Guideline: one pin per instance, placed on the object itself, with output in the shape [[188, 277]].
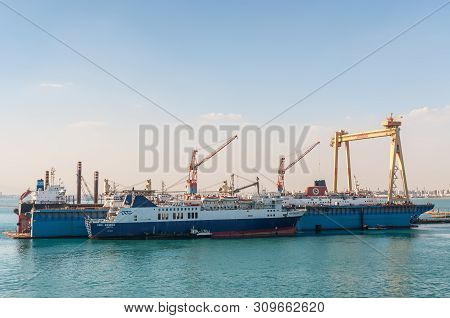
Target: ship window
[[159, 216], [196, 215], [135, 218], [174, 216], [189, 215], [182, 214]]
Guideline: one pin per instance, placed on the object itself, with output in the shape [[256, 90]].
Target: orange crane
[[191, 186], [282, 170]]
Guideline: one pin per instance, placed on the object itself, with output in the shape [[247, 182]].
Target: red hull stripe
[[285, 231]]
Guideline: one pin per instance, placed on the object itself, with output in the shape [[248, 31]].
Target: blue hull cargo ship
[[62, 222], [361, 217], [228, 217], [344, 211], [48, 214]]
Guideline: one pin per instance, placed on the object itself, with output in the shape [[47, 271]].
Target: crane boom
[[191, 186], [212, 154], [301, 156], [282, 170], [247, 186]]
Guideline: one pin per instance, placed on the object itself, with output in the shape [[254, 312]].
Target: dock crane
[[396, 163], [191, 182], [234, 190], [282, 170]]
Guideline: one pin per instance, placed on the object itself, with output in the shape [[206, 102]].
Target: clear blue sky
[[251, 58]]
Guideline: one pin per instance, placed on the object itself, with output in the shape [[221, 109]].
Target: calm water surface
[[384, 263]]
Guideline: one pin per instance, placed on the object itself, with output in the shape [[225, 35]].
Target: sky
[[216, 63]]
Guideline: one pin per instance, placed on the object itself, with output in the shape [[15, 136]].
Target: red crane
[[282, 170], [191, 186]]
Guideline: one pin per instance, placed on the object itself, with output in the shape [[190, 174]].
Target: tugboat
[[201, 233], [216, 218]]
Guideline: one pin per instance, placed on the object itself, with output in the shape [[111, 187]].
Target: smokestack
[[47, 179], [95, 187], [79, 182]]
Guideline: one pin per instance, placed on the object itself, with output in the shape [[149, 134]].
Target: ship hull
[[53, 223], [235, 228], [360, 217]]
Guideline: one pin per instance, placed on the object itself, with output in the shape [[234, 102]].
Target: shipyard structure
[[130, 213]]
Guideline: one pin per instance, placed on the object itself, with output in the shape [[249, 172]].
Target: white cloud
[[222, 117], [87, 124], [428, 114], [51, 85]]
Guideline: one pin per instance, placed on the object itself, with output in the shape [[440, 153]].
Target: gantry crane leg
[[397, 164], [401, 166], [349, 168], [336, 161], [392, 168]]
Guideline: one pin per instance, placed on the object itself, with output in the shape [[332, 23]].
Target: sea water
[[375, 263]]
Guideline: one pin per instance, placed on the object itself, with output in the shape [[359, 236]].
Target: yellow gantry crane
[[396, 163]]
